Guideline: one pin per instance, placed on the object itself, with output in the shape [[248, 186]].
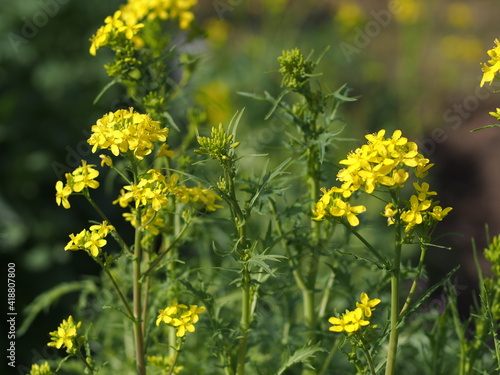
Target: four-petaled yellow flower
[[81, 178], [367, 305], [65, 335], [92, 240], [352, 321], [181, 317], [341, 208]]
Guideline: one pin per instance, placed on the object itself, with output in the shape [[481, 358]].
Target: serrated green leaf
[[301, 355], [261, 259]]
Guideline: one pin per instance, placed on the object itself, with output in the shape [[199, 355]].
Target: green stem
[[367, 244], [118, 291], [394, 314], [137, 298], [84, 360], [123, 244], [413, 288], [369, 359], [245, 320], [329, 358], [174, 361]]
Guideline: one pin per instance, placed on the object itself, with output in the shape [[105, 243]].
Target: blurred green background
[[413, 64]]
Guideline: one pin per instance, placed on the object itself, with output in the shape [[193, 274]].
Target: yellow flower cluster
[[153, 191], [82, 177], [43, 369], [91, 240], [352, 321], [489, 72], [138, 10], [181, 317], [380, 162], [125, 23], [164, 364], [126, 130], [113, 29], [65, 335], [149, 191]]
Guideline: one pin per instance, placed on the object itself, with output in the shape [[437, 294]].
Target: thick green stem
[[394, 314], [137, 299], [245, 321]]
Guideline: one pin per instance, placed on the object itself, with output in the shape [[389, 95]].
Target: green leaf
[[261, 259], [266, 178], [233, 124], [426, 295], [301, 355], [105, 88], [275, 105], [48, 298], [170, 121], [252, 96], [340, 96]]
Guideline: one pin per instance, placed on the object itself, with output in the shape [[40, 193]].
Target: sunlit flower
[[367, 305], [65, 335], [490, 71], [62, 194]]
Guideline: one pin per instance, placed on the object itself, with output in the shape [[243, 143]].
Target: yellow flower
[[92, 240], [496, 114], [180, 317], [367, 305], [439, 213], [126, 130], [489, 72], [43, 369], [351, 321], [65, 335], [414, 215], [389, 213], [84, 176], [62, 194], [341, 208]]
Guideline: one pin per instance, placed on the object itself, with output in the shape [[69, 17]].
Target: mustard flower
[[423, 191], [126, 130], [496, 114], [62, 194], [351, 321], [341, 208], [164, 363], [114, 28], [65, 335], [84, 176], [181, 317], [43, 369], [367, 305], [389, 213], [439, 213], [489, 72], [414, 215], [183, 325], [92, 240]]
